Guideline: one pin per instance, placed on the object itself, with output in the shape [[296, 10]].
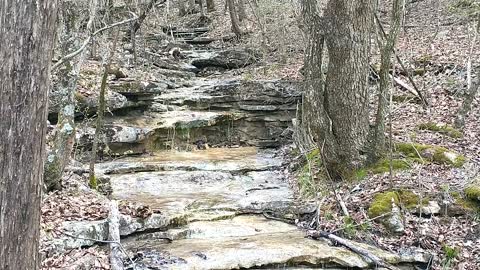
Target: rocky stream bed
[[200, 148]]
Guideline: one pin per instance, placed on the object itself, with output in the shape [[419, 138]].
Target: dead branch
[[87, 41], [420, 95], [372, 258], [116, 262]]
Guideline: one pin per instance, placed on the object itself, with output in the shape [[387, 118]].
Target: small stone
[[431, 209], [451, 156], [394, 221]]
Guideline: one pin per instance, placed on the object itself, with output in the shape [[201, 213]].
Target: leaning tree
[[27, 30]]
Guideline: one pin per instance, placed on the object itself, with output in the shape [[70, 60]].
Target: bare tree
[[242, 14], [27, 37], [466, 106], [182, 9], [234, 18], [386, 49], [338, 103], [101, 112], [66, 86], [191, 6], [210, 5]]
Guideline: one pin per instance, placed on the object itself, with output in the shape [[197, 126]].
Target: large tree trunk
[[27, 35], [339, 104]]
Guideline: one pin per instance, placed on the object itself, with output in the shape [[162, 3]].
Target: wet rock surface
[[202, 154]]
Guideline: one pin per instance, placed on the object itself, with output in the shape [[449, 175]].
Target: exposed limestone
[[229, 59], [250, 242]]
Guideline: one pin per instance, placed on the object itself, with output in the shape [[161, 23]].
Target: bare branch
[[85, 43]]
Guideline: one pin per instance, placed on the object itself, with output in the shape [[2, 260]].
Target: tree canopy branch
[[87, 40]]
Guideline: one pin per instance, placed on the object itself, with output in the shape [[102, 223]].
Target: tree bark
[[68, 73], [242, 14], [141, 18], [101, 113], [234, 18], [466, 106], [27, 37], [182, 9], [191, 6], [210, 5], [386, 50], [339, 104]]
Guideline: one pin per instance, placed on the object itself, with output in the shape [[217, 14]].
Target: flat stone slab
[[245, 242], [235, 160], [190, 192]]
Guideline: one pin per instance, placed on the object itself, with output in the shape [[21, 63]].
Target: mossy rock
[[442, 129], [383, 165], [382, 202], [472, 192], [431, 153], [419, 72]]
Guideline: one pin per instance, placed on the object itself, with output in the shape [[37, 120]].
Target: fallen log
[[116, 258]]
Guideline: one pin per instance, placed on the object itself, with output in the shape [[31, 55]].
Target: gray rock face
[[79, 234], [130, 87], [229, 59], [114, 101]]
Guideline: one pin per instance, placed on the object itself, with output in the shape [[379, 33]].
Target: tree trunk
[[182, 9], [466, 106], [202, 11], [101, 113], [141, 18], [234, 18], [386, 50], [339, 105], [191, 6], [242, 14], [210, 5], [68, 73], [27, 37]]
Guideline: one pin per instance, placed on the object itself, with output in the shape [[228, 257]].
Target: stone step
[[248, 242], [234, 160]]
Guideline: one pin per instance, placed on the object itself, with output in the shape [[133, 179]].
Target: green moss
[[472, 192], [314, 154], [430, 153], [442, 129], [419, 72], [382, 203], [383, 165], [92, 182], [306, 183], [361, 174], [410, 200]]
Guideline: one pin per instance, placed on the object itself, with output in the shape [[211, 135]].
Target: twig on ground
[[371, 258], [103, 242]]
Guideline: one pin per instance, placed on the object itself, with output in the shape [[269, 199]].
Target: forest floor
[[436, 42]]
